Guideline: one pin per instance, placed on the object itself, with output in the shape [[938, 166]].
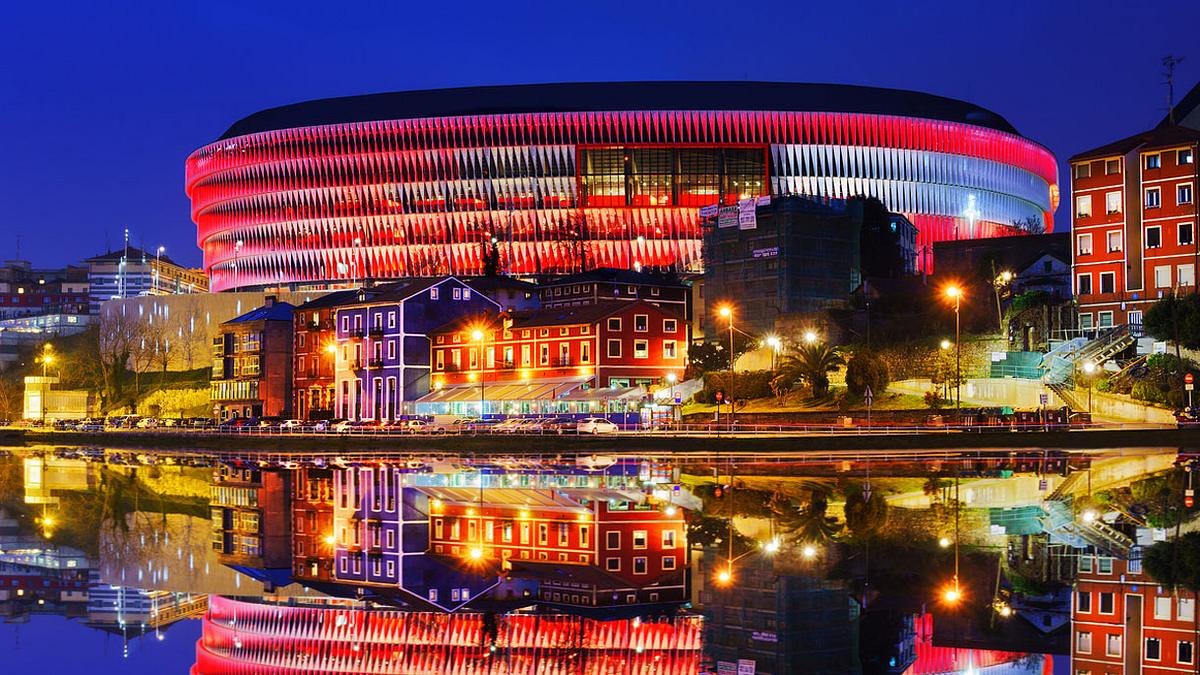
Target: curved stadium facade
[[568, 176]]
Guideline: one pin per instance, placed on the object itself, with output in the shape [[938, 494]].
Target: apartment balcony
[[354, 332], [375, 363], [377, 331]]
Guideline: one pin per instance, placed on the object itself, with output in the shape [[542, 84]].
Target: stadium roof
[[612, 96]]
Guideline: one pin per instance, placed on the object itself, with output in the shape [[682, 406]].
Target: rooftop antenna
[[1169, 62]]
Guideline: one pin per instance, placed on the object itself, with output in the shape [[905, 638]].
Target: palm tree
[[808, 523], [812, 363]]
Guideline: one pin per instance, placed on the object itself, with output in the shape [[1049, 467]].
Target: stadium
[[555, 178]]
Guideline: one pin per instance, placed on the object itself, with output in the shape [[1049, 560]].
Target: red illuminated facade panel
[[244, 638], [1134, 225], [619, 344], [327, 200], [1123, 622]]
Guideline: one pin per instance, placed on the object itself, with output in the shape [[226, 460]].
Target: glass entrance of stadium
[[663, 176]]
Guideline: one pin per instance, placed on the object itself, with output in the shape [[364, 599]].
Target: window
[[1153, 198], [1154, 237], [1185, 275], [1085, 323], [612, 564], [1183, 157], [1104, 565], [1086, 561], [1083, 206], [433, 293], [1108, 284], [1183, 194], [1106, 603], [612, 541], [641, 323], [585, 352], [1186, 610], [1183, 652], [669, 351], [1083, 642], [1162, 276], [1084, 244], [585, 536], [669, 325], [1112, 166], [1112, 202], [564, 331], [1114, 241], [433, 591], [1083, 285], [668, 539], [668, 562], [1106, 319], [1083, 602], [457, 293], [1153, 649], [641, 349], [1162, 607], [391, 349], [441, 359], [1153, 161], [526, 354], [544, 354], [466, 295], [639, 539], [614, 349], [1083, 170], [1112, 645], [614, 324], [639, 565], [1186, 234], [543, 534]]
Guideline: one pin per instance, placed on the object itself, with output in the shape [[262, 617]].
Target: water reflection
[[611, 565]]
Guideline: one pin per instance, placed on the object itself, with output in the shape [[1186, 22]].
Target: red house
[[315, 352], [606, 344], [1134, 226], [1123, 622]]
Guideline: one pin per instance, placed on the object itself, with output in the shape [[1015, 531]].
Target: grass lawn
[[801, 402]]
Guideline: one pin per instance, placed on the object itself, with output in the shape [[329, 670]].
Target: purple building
[[383, 347]]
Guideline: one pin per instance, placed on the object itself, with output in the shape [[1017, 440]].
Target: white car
[[423, 427], [291, 425], [596, 425], [147, 423]]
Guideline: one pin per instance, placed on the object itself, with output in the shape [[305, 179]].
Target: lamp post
[[774, 343], [1088, 369], [999, 280], [45, 359], [480, 336], [727, 312], [955, 293], [158, 266]]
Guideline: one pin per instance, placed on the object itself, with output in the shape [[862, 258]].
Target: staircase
[[1060, 364], [1066, 394], [1063, 528]]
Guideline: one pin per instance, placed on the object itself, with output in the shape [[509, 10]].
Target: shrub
[[864, 369], [746, 385], [1148, 392], [933, 401]]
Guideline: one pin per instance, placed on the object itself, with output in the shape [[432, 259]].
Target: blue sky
[[101, 102]]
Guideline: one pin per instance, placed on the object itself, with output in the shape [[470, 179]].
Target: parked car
[[291, 425], [147, 423], [509, 425], [596, 425], [562, 425], [422, 427]]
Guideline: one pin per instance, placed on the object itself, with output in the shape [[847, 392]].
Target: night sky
[[101, 102]]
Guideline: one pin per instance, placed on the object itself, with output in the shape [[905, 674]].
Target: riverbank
[[622, 443]]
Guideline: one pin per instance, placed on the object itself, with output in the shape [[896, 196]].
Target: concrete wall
[[183, 326], [1025, 394]]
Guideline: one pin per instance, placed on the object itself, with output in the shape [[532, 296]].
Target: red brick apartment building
[[312, 524], [614, 343], [1122, 622], [1134, 225], [583, 551], [314, 355]]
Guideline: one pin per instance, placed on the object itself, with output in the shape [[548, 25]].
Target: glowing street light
[[1089, 516], [725, 576], [476, 553], [479, 336], [726, 311], [809, 551], [329, 539], [946, 344], [955, 293], [45, 359], [945, 542], [670, 511], [771, 546], [810, 337], [952, 595]]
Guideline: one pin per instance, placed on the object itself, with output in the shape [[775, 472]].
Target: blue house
[[382, 362]]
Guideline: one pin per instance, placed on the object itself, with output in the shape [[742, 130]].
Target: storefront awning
[[507, 390], [606, 394]]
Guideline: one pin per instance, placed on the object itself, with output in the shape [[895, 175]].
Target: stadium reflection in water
[[316, 565]]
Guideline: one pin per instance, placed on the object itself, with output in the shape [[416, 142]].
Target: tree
[[1175, 563], [1175, 318], [865, 517], [866, 369], [809, 523], [812, 364], [491, 258], [879, 246], [1030, 225]]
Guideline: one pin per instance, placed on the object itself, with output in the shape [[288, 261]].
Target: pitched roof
[[130, 253], [1186, 105], [1161, 136], [579, 314], [616, 275], [276, 311], [333, 299], [485, 284]]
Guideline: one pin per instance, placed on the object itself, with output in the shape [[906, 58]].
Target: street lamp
[[158, 265], [775, 344], [810, 337], [479, 336], [727, 312], [955, 293], [1088, 369], [45, 359], [671, 379]]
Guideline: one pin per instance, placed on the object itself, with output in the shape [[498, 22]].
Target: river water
[[131, 561]]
